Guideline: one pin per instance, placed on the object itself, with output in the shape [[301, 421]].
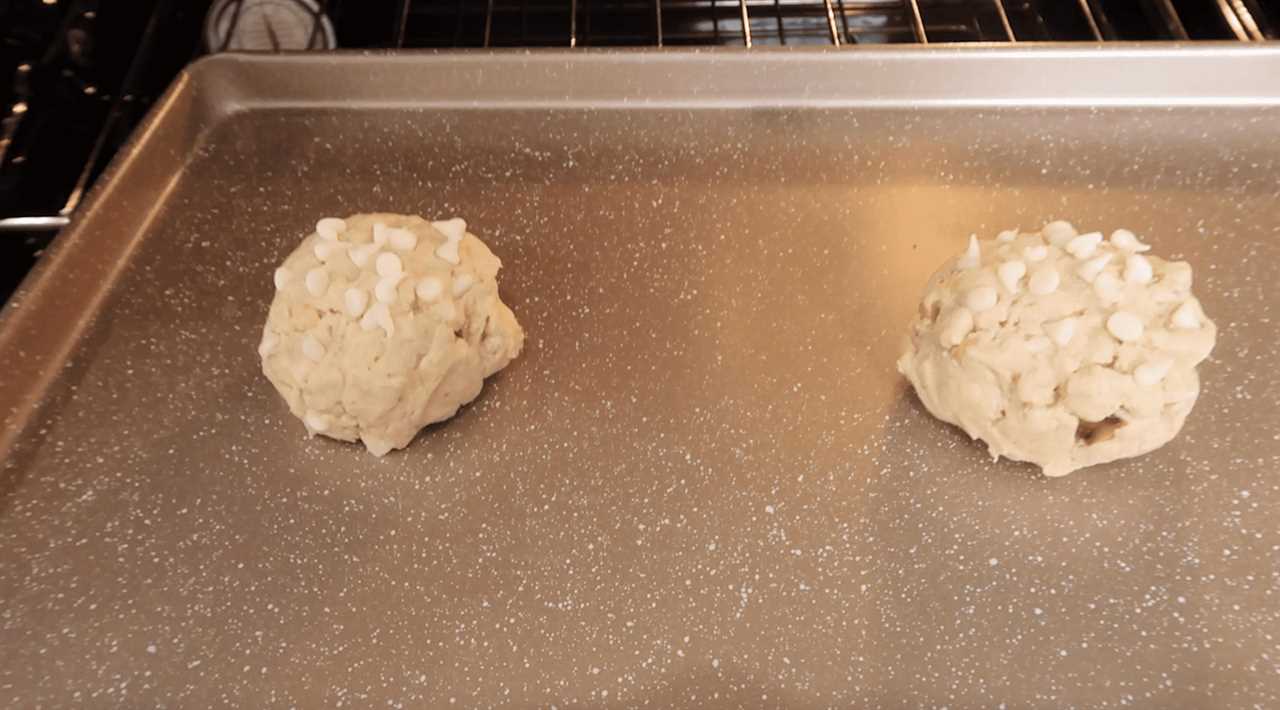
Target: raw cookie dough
[[1060, 348], [383, 324]]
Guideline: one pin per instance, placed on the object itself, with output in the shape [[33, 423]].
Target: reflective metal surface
[[26, 224], [703, 484]]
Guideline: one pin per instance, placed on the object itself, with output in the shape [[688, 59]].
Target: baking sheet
[[703, 483]]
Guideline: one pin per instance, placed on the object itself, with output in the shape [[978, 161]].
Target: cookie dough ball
[[1060, 348], [383, 324]]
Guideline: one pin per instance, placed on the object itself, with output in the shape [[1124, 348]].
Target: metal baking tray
[[703, 484]]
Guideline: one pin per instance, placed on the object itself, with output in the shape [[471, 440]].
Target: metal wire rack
[[674, 23], [579, 23]]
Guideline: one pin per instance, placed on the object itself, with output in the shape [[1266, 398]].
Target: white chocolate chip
[[1108, 287], [330, 227], [1090, 269], [959, 324], [1010, 273], [1062, 331], [1137, 269], [462, 283], [1059, 232], [388, 265], [1035, 252], [1044, 281], [972, 255], [429, 289], [1083, 246], [324, 250], [369, 320], [453, 229], [281, 277], [981, 299], [380, 233], [378, 316], [361, 255], [403, 239], [385, 321], [356, 301], [1152, 372], [316, 421], [1125, 240], [312, 348], [1125, 326], [317, 281], [1186, 317], [385, 290], [1007, 235], [269, 342], [449, 252]]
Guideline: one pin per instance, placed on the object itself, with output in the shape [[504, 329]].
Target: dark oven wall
[[76, 76]]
